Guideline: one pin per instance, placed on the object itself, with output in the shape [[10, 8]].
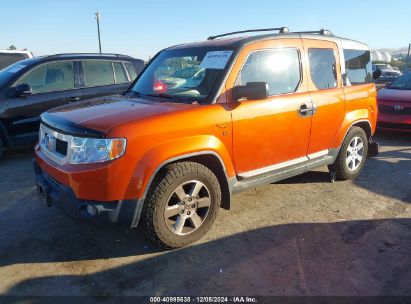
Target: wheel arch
[[363, 123], [211, 160]]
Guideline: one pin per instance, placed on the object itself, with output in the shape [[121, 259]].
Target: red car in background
[[394, 105]]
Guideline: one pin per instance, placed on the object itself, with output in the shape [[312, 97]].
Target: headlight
[[94, 150]]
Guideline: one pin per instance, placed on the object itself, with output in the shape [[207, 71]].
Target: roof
[[237, 42]]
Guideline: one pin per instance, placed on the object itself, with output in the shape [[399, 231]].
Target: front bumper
[[394, 122], [54, 193]]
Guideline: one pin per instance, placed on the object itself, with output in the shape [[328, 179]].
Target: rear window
[[358, 66], [323, 68], [98, 73]]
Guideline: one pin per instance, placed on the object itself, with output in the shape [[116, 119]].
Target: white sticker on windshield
[[216, 60], [16, 68]]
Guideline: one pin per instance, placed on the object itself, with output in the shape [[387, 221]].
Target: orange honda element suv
[[206, 120]]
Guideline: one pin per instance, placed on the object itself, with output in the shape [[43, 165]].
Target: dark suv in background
[[33, 86]]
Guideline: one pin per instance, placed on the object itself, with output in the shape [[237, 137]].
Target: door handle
[[73, 99], [304, 110]]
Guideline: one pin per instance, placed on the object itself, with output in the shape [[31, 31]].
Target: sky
[[142, 28]]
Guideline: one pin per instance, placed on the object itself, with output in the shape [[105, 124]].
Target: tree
[[12, 48]]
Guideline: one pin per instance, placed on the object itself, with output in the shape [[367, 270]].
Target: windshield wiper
[[161, 95], [133, 93]]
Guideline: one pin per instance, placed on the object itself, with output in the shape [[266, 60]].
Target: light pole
[[408, 55], [98, 30]]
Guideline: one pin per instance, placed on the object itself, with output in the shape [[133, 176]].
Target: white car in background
[[190, 79], [8, 57]]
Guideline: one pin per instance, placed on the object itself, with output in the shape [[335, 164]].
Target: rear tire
[[352, 156], [181, 205]]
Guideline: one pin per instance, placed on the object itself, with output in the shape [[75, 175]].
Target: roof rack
[[89, 54], [281, 30], [324, 32]]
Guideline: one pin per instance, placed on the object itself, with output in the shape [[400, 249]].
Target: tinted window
[[98, 72], [358, 66], [280, 68], [131, 71], [55, 76], [323, 68], [121, 76]]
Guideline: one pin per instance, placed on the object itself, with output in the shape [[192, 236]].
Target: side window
[[50, 77], [323, 68], [280, 68], [120, 73], [358, 66], [98, 73], [131, 71]]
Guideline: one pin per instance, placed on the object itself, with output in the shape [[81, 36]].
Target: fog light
[[91, 210]]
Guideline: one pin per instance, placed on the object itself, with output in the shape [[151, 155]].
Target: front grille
[[61, 147], [391, 110], [394, 126]]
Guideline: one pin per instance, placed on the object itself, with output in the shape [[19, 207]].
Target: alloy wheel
[[187, 207]]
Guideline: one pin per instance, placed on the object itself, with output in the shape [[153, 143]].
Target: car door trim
[[284, 170]]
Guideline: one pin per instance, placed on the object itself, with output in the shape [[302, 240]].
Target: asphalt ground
[[301, 236]]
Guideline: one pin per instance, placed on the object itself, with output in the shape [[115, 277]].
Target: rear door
[[53, 84], [327, 95], [103, 78]]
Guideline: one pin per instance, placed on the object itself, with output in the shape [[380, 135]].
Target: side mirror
[[23, 89], [376, 74], [251, 91]]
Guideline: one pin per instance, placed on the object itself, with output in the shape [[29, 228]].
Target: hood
[[96, 117], [394, 95]]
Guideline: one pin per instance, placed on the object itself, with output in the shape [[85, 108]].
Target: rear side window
[[358, 66], [120, 73], [323, 68], [131, 71], [280, 68], [50, 77], [98, 73]]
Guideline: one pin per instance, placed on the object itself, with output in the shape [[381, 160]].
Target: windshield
[[402, 83], [8, 72], [188, 75]]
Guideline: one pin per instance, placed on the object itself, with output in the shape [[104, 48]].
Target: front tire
[[353, 154], [181, 205]]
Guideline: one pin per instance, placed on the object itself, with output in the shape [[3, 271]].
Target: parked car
[[8, 57], [394, 103], [269, 107], [388, 73], [33, 86], [181, 79]]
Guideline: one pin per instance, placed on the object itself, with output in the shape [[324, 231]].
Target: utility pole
[[408, 56], [98, 29]]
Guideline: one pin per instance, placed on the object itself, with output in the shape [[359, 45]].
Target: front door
[[272, 133], [53, 85]]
